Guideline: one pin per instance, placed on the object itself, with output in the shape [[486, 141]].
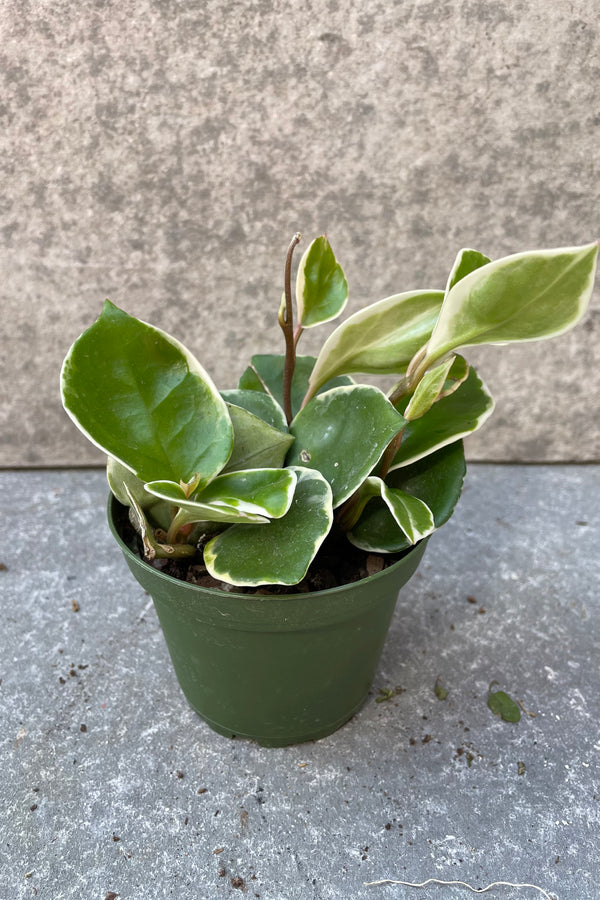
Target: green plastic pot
[[277, 669]]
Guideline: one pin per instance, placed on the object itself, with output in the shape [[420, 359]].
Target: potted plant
[[274, 523]]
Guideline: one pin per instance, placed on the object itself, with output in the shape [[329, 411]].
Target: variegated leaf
[[321, 286], [140, 395], [525, 297], [450, 419], [280, 552], [343, 434], [436, 480], [380, 339]]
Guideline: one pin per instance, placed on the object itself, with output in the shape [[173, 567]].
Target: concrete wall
[[163, 153]]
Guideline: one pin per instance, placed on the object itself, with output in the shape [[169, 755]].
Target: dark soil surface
[[338, 562]]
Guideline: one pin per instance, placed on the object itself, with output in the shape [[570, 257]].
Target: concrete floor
[[110, 784]]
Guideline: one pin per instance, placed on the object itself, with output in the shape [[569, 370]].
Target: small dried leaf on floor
[[440, 691]]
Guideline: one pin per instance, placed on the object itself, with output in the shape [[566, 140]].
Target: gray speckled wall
[[162, 154]]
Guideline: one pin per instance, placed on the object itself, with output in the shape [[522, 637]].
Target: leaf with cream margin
[[256, 444], [280, 552], [380, 339], [450, 419], [459, 372], [321, 286], [436, 480], [153, 549], [343, 434], [141, 397], [428, 390], [466, 262], [525, 297], [125, 485], [254, 495], [265, 373], [412, 516]]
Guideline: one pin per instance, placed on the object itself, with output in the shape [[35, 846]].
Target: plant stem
[[287, 324], [348, 514], [389, 454]]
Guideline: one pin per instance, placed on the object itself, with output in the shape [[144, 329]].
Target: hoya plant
[[254, 478]]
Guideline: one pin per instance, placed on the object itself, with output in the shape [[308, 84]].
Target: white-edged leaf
[[524, 297], [125, 485], [436, 479], [380, 339], [450, 419], [343, 433], [195, 511], [466, 262], [280, 552], [321, 286], [254, 495], [428, 390], [413, 516], [141, 397], [459, 372], [153, 549]]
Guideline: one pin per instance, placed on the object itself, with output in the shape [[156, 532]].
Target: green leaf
[[267, 492], [125, 485], [458, 373], [280, 552], [380, 339], [321, 286], [255, 495], [448, 420], [191, 511], [153, 549], [411, 515], [437, 480], [256, 444], [343, 433], [466, 262], [504, 706], [140, 396], [266, 374], [440, 691], [428, 390], [525, 297], [259, 404]]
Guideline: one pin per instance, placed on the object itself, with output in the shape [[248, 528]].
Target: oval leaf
[[504, 706], [143, 399], [321, 286], [252, 496], [280, 552], [381, 339], [343, 434], [267, 492], [255, 443], [525, 297], [448, 420]]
